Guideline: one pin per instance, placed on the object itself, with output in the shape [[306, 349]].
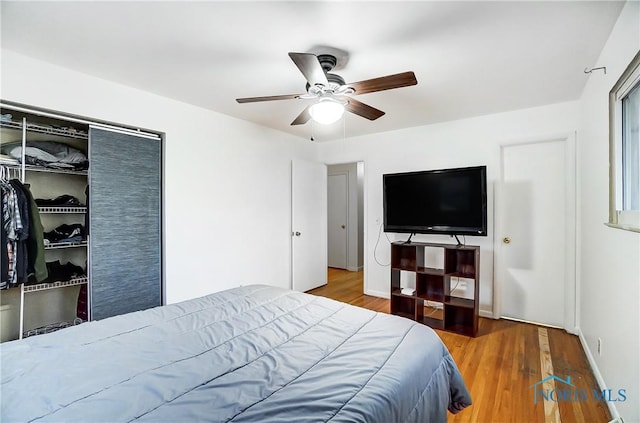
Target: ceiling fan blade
[[398, 80], [302, 117], [268, 98], [310, 67], [361, 109]]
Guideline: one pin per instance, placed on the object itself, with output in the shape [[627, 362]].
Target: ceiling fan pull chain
[[344, 127]]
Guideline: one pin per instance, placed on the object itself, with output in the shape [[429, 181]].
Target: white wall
[[609, 300], [227, 182], [467, 142]]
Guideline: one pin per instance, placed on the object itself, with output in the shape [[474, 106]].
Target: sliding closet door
[[125, 244]]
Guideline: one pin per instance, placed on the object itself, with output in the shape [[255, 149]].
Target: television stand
[[437, 285]]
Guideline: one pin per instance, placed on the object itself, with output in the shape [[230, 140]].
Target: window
[[624, 128], [630, 150]]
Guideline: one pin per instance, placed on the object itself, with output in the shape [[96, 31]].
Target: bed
[[250, 354]]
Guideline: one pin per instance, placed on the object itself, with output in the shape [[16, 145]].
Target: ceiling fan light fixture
[[327, 111]]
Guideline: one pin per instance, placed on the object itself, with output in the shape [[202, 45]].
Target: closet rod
[[98, 125]]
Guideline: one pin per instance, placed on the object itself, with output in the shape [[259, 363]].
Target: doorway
[[345, 216], [535, 233]]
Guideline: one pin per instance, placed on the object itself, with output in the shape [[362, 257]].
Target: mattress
[[250, 354]]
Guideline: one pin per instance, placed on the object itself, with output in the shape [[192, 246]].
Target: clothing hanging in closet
[[22, 236]]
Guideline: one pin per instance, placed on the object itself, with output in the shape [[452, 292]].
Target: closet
[[97, 190]]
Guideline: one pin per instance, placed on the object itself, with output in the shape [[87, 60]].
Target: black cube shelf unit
[[459, 315]]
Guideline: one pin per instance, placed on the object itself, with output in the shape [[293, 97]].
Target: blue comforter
[[250, 354]]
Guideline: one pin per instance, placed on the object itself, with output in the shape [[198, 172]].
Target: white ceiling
[[470, 58]]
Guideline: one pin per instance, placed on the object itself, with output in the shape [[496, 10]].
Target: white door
[[534, 233], [308, 225], [337, 198]]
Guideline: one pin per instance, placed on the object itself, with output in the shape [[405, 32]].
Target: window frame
[[618, 217]]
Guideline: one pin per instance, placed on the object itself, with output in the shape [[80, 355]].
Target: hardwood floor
[[502, 364]]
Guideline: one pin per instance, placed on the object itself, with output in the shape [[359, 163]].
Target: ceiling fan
[[333, 95]]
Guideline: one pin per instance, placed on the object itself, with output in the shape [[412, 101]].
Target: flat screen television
[[445, 201]]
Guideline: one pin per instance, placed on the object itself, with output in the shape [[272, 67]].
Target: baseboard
[[378, 294], [355, 269], [596, 372], [486, 313]]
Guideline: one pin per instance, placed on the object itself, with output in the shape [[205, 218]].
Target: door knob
[[506, 240], [297, 233]]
